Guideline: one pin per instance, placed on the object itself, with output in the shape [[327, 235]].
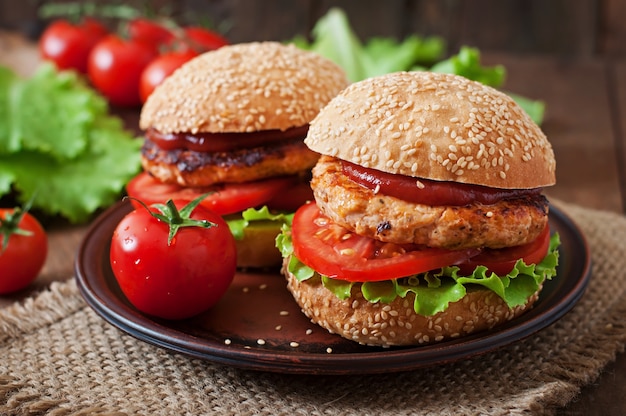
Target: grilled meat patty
[[195, 169], [506, 223]]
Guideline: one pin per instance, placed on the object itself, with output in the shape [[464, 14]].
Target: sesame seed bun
[[396, 323], [435, 126], [242, 88]]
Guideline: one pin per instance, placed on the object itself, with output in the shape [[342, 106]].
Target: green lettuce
[[435, 290], [59, 146], [335, 40], [238, 224]]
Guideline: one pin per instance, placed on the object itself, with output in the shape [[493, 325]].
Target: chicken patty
[[507, 223], [195, 169]]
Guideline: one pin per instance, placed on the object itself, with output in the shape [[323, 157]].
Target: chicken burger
[[429, 221]]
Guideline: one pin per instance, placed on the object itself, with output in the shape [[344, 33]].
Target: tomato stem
[[9, 225], [175, 218]]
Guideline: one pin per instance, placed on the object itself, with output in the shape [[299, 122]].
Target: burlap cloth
[[59, 357]]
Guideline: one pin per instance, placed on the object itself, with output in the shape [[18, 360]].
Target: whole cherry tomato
[[69, 45], [172, 260], [23, 249], [159, 69], [150, 31], [203, 40], [115, 66]]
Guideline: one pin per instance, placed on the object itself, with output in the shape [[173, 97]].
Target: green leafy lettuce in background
[[333, 38], [59, 145]]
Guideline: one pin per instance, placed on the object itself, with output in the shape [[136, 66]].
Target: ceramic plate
[[258, 325]]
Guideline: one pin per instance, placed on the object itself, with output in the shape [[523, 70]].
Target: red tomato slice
[[336, 252], [223, 199], [292, 198], [502, 261]]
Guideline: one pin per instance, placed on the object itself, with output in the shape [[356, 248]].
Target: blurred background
[[580, 28]]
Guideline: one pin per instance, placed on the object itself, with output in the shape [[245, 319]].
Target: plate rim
[[391, 359]]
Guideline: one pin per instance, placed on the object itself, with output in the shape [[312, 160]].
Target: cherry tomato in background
[[69, 45], [150, 31], [176, 279], [115, 66], [23, 249], [160, 68], [203, 40]]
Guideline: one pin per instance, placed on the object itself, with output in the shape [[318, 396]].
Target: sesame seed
[[278, 327], [260, 341], [329, 350], [294, 344], [284, 313], [227, 341], [309, 331]]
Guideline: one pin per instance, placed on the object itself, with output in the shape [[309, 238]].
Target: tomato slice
[[292, 198], [502, 261], [223, 199], [335, 252]]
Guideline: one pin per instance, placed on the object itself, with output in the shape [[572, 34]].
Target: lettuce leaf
[[334, 39], [60, 147], [467, 64], [435, 290], [238, 224]]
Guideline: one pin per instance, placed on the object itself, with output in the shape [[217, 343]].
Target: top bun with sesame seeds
[[435, 126], [242, 88], [429, 221]]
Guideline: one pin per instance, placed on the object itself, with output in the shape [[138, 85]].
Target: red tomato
[[68, 45], [291, 198], [160, 68], [202, 40], [150, 31], [502, 261], [23, 249], [225, 199], [175, 280], [336, 252], [115, 67]]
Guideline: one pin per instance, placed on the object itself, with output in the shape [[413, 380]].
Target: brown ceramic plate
[[257, 325]]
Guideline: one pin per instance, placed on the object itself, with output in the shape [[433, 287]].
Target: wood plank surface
[[560, 27], [618, 99]]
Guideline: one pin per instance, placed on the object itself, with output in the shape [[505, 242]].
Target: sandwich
[[230, 123], [429, 221]]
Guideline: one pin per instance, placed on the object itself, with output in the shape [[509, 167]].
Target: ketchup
[[222, 142], [429, 192]]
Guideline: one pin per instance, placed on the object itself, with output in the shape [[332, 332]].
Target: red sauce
[[429, 192], [222, 142]]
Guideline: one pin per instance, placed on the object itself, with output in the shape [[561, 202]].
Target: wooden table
[[585, 121]]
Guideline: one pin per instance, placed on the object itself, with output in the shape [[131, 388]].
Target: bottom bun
[[396, 323], [257, 249]]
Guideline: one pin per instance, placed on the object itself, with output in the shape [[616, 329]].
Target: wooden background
[[569, 28]]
